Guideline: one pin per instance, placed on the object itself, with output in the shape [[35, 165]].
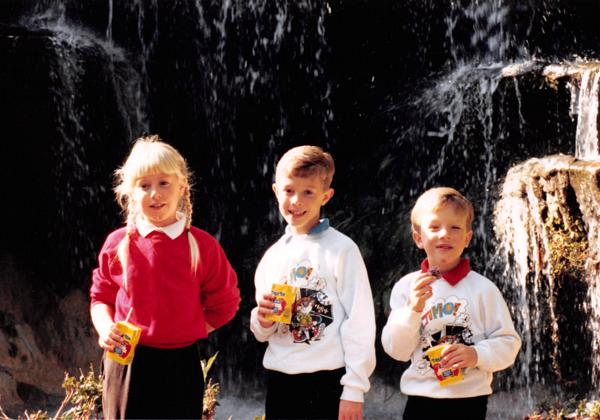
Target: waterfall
[[546, 224], [584, 78], [587, 111]]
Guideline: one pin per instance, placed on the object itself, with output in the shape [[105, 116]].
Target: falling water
[[547, 226], [584, 78], [72, 48]]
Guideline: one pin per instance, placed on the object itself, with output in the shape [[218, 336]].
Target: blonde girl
[[174, 279]]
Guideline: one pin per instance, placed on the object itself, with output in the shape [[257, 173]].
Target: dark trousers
[[304, 396], [159, 384], [423, 408]]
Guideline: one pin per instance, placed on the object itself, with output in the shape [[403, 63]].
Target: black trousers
[[159, 384], [313, 395], [423, 408]]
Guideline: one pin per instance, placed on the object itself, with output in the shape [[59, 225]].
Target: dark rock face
[[397, 91]]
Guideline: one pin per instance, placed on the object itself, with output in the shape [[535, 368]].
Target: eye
[[144, 186], [456, 228], [288, 191], [164, 183], [434, 227], [308, 193]]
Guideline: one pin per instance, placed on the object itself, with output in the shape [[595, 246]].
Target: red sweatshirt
[[170, 303]]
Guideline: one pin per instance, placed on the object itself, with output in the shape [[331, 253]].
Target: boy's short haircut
[[306, 161], [435, 199]]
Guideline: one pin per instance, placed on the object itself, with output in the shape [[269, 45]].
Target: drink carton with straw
[[131, 334]]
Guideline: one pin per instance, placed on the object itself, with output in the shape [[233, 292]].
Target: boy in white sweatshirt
[[446, 303], [318, 365]]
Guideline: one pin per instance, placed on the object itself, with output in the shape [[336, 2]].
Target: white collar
[[172, 231]]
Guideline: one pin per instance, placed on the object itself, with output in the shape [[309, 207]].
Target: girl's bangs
[[151, 161]]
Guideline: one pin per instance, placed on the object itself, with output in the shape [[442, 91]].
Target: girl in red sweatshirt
[[175, 279]]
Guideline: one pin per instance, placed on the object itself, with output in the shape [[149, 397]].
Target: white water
[[584, 80]]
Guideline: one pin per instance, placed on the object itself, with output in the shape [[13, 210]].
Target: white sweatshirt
[[472, 312], [334, 321]]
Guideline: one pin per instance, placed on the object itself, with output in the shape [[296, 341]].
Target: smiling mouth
[[156, 206], [296, 213]]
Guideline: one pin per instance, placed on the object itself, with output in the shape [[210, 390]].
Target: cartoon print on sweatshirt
[[311, 313], [444, 320]]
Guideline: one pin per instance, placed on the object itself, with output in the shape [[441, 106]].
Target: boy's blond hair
[[437, 198], [306, 161]]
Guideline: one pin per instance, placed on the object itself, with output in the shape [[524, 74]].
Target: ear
[[274, 187], [417, 238], [468, 238], [327, 196]]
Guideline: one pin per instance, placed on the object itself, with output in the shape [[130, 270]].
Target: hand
[[265, 307], [350, 410], [459, 356], [420, 291], [110, 338]]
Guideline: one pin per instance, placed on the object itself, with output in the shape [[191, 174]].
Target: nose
[[154, 193], [294, 199], [443, 232]]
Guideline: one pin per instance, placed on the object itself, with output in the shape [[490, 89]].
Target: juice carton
[[131, 334], [446, 376], [285, 296]]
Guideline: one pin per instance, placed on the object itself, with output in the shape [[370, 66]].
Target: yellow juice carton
[[446, 376], [131, 334], [285, 296]]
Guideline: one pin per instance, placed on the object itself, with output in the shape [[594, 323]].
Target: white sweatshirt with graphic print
[[333, 325], [472, 312]]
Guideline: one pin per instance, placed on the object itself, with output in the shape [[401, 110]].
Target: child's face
[[300, 200], [158, 196], [443, 234]]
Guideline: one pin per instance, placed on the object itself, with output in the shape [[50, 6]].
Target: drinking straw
[[128, 314]]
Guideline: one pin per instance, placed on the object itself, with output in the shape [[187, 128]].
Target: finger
[[266, 304], [264, 312], [268, 296]]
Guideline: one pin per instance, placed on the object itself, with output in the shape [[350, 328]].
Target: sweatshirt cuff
[[261, 334], [483, 358], [352, 394]]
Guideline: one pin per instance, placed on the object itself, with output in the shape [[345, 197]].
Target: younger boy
[[446, 302], [318, 366]]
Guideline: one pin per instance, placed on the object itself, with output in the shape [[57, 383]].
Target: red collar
[[456, 274]]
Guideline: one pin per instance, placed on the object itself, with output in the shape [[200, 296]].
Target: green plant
[[211, 390], [84, 395]]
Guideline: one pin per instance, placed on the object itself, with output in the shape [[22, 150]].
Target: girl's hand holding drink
[[130, 334]]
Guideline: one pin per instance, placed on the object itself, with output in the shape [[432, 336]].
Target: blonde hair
[[437, 198], [151, 155], [306, 161]]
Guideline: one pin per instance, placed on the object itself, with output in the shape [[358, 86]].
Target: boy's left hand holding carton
[[318, 359]]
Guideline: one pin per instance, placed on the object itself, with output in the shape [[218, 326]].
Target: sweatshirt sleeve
[[104, 288], [499, 348], [220, 295], [261, 286], [400, 335], [358, 329]]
